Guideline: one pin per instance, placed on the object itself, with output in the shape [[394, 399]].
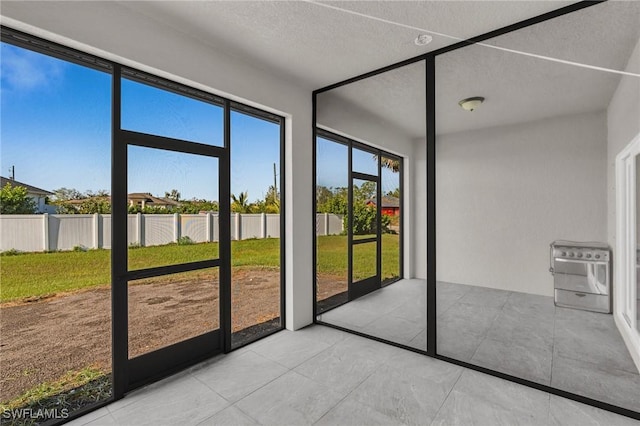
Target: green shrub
[[185, 241]]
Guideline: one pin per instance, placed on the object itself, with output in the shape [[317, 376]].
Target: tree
[[240, 204], [94, 205], [173, 195], [271, 203], [15, 200]]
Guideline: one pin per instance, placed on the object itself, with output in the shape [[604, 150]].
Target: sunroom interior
[[464, 203]]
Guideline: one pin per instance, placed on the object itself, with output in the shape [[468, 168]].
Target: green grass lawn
[[39, 274], [332, 257]]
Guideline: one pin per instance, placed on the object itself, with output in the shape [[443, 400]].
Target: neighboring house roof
[[150, 199], [134, 198], [32, 190], [387, 202]]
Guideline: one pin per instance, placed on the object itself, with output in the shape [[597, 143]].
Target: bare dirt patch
[[42, 340]]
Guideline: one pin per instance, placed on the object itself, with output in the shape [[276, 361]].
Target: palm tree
[[240, 203], [389, 163]]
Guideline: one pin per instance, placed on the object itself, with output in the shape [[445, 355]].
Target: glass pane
[[364, 261], [55, 303], [386, 111], [638, 243], [364, 162], [365, 214], [524, 169], [172, 308], [255, 251], [173, 205], [332, 180], [155, 111], [391, 209]]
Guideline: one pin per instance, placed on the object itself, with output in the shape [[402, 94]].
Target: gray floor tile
[[404, 396], [230, 416], [349, 316], [530, 304], [485, 297], [594, 339], [613, 386], [184, 400], [93, 416], [414, 310], [351, 412], [455, 343], [289, 348], [235, 377], [479, 399], [292, 399], [420, 341], [380, 302], [469, 318], [394, 329], [370, 349], [433, 370], [449, 293], [526, 362], [107, 420], [327, 335], [571, 413], [529, 330], [340, 368]]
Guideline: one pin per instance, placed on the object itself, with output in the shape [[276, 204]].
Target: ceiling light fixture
[[470, 104], [423, 40]]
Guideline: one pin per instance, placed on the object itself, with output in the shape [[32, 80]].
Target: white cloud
[[26, 70]]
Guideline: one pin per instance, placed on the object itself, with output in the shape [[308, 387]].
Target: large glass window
[[256, 209], [367, 132], [527, 168], [148, 109], [55, 303]]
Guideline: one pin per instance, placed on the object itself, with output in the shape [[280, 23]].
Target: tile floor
[[323, 376], [519, 334]]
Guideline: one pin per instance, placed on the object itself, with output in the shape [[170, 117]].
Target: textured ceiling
[[517, 88], [314, 45], [318, 46]]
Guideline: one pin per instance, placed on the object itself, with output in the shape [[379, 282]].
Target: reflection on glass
[[387, 111], [55, 302], [332, 168], [364, 214], [390, 209], [172, 308], [364, 261], [500, 204], [364, 162], [255, 251], [155, 111], [638, 243], [173, 205]]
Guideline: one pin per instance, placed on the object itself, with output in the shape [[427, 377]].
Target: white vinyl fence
[[49, 232]]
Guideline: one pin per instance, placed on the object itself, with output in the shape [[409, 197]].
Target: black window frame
[[119, 268], [430, 123]]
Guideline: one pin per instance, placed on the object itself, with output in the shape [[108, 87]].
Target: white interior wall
[[345, 119], [150, 46], [623, 124], [505, 193], [420, 208]]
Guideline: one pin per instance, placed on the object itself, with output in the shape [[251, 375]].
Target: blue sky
[[333, 166], [56, 131]]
